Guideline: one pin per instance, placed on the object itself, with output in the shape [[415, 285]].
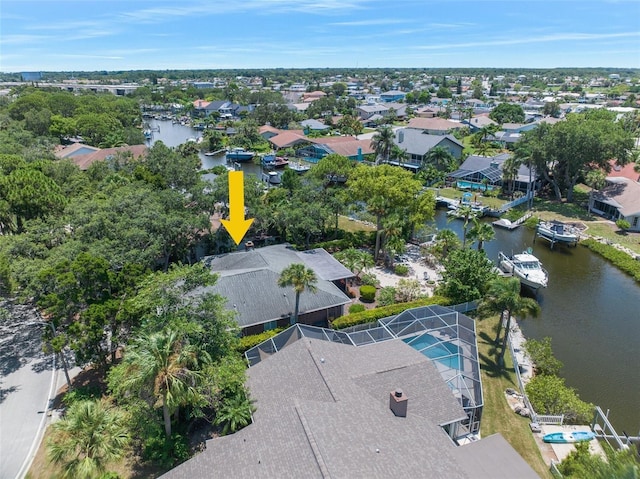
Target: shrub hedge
[[620, 259], [356, 308], [367, 293], [247, 342], [350, 240], [371, 315]]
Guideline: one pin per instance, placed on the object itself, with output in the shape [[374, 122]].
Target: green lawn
[[455, 193], [352, 226], [497, 416]]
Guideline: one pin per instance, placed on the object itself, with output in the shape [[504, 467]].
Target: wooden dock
[[506, 224]]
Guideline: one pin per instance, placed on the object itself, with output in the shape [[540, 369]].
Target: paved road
[[27, 381]]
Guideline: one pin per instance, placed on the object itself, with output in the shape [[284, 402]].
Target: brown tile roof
[[85, 161], [73, 149], [288, 138], [433, 124], [350, 147], [201, 104], [268, 128]]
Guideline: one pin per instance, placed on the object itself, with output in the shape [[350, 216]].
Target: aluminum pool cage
[[442, 334]]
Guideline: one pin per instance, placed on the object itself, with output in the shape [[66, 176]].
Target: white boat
[[240, 154], [299, 167], [526, 267], [558, 232]]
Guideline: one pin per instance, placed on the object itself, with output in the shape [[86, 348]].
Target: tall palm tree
[[481, 232], [446, 241], [87, 439], [466, 213], [168, 366], [301, 278], [440, 157], [503, 297], [510, 172], [382, 143]]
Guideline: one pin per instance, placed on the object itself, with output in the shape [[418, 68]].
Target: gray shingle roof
[[418, 143], [249, 281], [323, 411]]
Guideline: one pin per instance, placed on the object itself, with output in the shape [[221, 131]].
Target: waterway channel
[[590, 309]]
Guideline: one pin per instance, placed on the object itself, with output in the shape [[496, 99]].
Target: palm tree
[[168, 366], [382, 143], [301, 278], [234, 413], [446, 241], [440, 157], [503, 297], [87, 439], [399, 154], [481, 232], [510, 172], [466, 213]]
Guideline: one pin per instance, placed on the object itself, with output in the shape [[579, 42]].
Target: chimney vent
[[398, 403]]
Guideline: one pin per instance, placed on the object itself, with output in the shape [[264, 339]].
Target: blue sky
[[55, 35]]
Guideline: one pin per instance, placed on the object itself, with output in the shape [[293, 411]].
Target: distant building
[[31, 76]]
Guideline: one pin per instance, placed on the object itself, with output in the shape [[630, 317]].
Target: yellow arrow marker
[[236, 225]]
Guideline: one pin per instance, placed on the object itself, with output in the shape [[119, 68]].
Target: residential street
[[26, 385]]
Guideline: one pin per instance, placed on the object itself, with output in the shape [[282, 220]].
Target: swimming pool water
[[473, 186], [445, 353]]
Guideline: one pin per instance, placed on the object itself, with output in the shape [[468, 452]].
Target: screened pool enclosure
[[442, 334]]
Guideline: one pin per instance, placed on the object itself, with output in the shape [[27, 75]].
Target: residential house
[[314, 125], [434, 126], [249, 282], [288, 139], [348, 146], [400, 110], [267, 131], [392, 96], [477, 123], [427, 111], [619, 200], [417, 144], [311, 96], [84, 155], [326, 407], [366, 112], [224, 108], [484, 172]]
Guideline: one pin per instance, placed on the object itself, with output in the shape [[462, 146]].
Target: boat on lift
[[558, 232]]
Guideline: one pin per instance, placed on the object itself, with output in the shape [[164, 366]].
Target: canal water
[[590, 309]]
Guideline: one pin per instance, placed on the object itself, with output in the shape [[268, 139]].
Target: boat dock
[[448, 202], [509, 225]]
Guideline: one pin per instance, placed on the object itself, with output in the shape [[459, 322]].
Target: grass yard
[[489, 201], [352, 226], [497, 416]]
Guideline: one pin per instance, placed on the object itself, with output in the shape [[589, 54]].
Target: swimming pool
[[473, 186], [447, 354]]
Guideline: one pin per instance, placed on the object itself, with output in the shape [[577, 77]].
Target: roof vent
[[398, 403]]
